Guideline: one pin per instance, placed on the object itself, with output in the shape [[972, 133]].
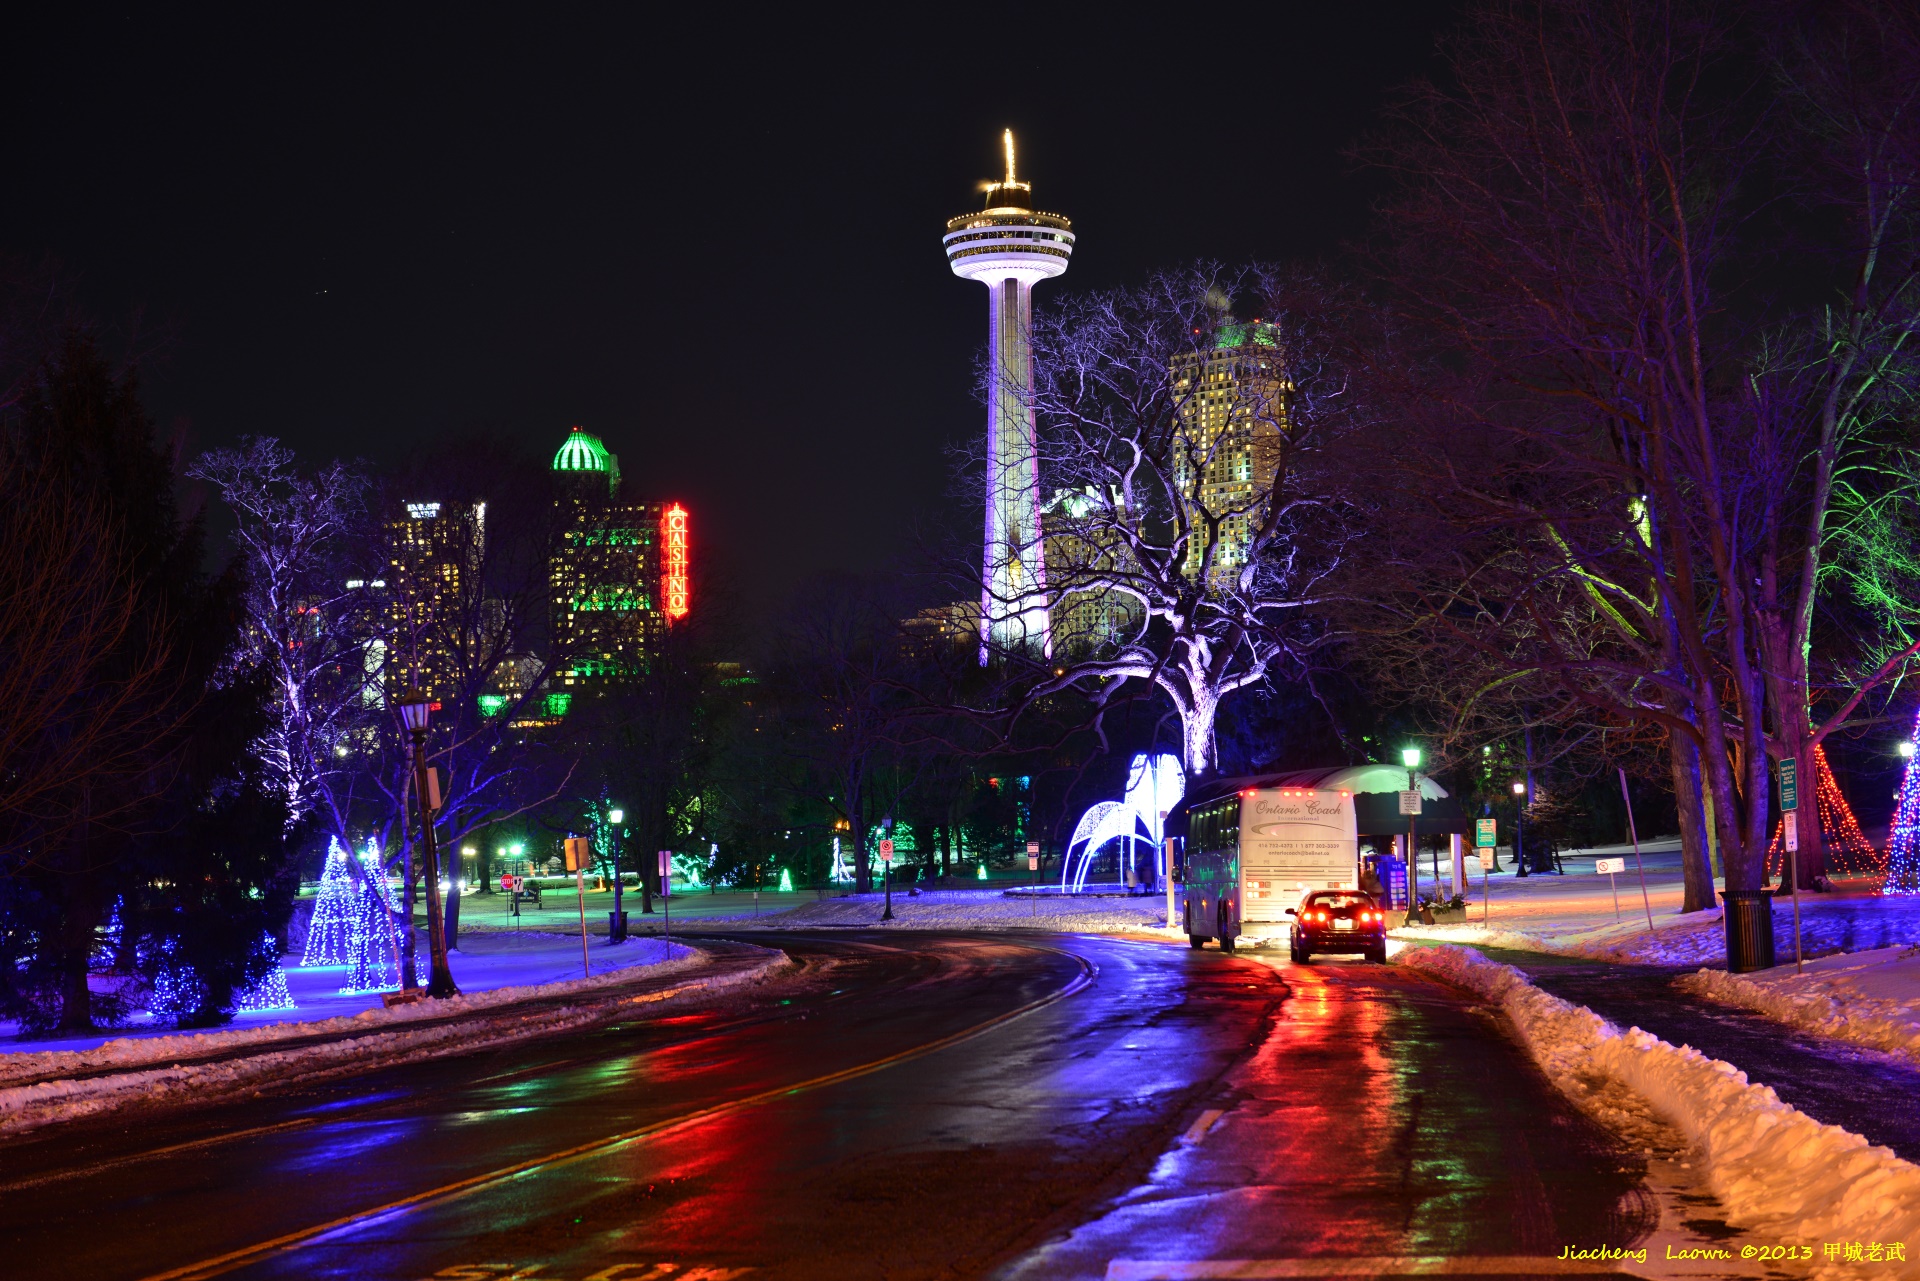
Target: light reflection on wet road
[[1183, 1106]]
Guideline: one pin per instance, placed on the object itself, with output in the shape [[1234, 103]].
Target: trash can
[[1749, 930], [616, 927]]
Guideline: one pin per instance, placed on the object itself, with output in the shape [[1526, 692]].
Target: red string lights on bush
[[1849, 852]]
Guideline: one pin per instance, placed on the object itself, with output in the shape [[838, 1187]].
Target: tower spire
[[1010, 247]]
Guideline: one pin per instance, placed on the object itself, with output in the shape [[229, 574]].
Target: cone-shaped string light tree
[[1903, 846], [1849, 852], [373, 944], [330, 931]]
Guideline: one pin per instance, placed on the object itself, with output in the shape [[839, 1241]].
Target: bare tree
[[310, 619], [1832, 387], [68, 609], [1195, 464]]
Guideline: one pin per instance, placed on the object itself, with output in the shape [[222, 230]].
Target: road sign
[[1483, 833], [1410, 804], [1033, 847], [507, 884], [578, 855], [1033, 862], [1486, 860], [1611, 866], [886, 850], [1789, 785], [1792, 818]]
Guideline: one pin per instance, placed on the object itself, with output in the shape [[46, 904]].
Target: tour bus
[[1254, 852]]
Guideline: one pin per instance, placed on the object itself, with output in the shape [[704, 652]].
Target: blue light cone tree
[[372, 965], [1903, 847], [271, 992], [330, 932]]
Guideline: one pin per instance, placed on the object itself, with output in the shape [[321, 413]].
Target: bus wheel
[[1226, 930], [1196, 941]]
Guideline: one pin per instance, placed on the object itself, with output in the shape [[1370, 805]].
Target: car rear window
[[1336, 902]]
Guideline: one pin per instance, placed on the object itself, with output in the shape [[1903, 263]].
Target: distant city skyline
[[514, 226]]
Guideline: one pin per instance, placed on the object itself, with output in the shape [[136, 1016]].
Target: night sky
[[714, 241]]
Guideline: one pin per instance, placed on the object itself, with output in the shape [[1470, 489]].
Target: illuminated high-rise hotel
[[1233, 409], [619, 574], [1010, 248]]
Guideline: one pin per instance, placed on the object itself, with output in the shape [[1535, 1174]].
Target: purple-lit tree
[[1199, 512], [1606, 520], [310, 619]]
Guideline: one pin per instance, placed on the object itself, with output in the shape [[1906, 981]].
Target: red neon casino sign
[[673, 560]]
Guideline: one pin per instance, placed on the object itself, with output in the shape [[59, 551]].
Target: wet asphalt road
[[1145, 1104], [1861, 1090]]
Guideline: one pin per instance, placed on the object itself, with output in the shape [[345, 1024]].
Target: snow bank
[[1870, 999], [1777, 1170], [352, 1044], [1691, 940]]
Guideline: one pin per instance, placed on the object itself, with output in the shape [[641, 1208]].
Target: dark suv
[[1338, 921]]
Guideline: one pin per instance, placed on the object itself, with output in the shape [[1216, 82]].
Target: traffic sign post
[[1790, 823], [1790, 828], [579, 854], [886, 865], [1410, 808], [1485, 841], [1612, 866], [1033, 870], [666, 891], [1633, 831]]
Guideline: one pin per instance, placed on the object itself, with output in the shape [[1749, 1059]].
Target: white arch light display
[[1155, 785]]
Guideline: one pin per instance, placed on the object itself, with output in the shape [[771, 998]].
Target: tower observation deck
[[1010, 247]]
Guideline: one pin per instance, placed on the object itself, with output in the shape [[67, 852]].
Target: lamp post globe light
[[1519, 826], [414, 709], [1906, 750], [1410, 757], [1010, 247]]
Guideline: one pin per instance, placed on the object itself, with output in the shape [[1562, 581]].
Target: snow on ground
[[1574, 915], [1866, 998], [970, 910], [484, 963], [1776, 1170], [48, 1087]]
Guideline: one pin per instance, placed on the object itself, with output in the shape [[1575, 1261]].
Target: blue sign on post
[[1393, 878]]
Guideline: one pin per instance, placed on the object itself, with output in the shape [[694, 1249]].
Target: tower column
[[1009, 247], [1013, 598]]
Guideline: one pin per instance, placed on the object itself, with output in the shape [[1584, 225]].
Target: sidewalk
[[485, 962], [40, 1086], [559, 909]]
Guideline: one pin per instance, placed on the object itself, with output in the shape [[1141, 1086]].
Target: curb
[[24, 1108]]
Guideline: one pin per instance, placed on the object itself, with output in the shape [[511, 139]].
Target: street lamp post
[[1410, 757], [614, 818], [413, 713], [1520, 826]]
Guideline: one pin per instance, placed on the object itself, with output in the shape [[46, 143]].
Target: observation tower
[[1009, 247]]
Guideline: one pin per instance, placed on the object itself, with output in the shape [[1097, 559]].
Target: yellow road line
[[154, 1153], [293, 1240]]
